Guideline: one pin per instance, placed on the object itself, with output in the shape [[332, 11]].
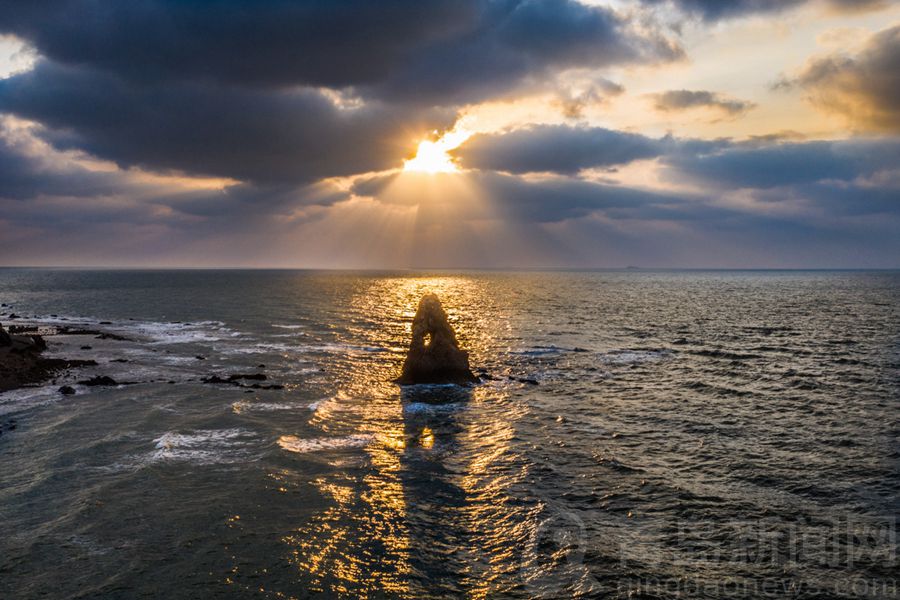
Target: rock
[[214, 379], [273, 386], [434, 354], [39, 342], [13, 316], [99, 380], [198, 357], [251, 376], [67, 390], [5, 339], [27, 343], [86, 348]]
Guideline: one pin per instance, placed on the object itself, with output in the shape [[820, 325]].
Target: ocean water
[[642, 435]]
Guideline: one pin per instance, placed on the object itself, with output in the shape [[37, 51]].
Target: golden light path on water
[[428, 496]]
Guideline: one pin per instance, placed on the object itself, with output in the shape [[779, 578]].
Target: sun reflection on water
[[427, 488]]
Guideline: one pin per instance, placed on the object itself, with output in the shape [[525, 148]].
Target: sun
[[433, 156]]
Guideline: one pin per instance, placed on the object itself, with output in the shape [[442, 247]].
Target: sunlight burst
[[433, 157]]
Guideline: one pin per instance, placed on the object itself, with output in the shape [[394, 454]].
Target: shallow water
[[673, 434]]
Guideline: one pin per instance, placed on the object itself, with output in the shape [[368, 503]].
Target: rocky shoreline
[[22, 362]]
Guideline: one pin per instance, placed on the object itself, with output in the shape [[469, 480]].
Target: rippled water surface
[[677, 434]]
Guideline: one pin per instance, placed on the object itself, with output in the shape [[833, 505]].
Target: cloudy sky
[[450, 133]]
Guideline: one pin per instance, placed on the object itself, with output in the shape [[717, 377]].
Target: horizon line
[[432, 269]]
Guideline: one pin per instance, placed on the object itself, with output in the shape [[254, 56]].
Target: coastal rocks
[[5, 338], [434, 354], [236, 379], [26, 368], [67, 390]]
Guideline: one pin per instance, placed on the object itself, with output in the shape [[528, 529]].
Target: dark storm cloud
[[269, 42], [518, 42], [245, 134], [437, 51], [676, 100], [715, 10], [864, 88], [556, 148], [234, 89], [753, 166]]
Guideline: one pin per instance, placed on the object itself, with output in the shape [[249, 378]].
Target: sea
[[636, 434]]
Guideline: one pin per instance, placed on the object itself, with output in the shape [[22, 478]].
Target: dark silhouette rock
[[99, 380], [67, 390], [5, 339], [434, 354], [86, 348]]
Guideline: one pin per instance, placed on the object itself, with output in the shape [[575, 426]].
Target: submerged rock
[[434, 354]]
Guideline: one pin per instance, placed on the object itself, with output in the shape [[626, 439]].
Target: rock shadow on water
[[437, 507]]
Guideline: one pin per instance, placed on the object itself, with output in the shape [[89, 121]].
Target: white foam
[[31, 397], [244, 406], [427, 408], [261, 348], [292, 443], [204, 446], [185, 333], [289, 326]]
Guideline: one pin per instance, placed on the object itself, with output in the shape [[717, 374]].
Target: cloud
[[563, 198], [573, 105], [295, 135], [753, 166], [434, 51], [864, 89], [266, 43], [555, 148], [717, 10], [679, 100], [279, 92], [713, 10], [855, 6]]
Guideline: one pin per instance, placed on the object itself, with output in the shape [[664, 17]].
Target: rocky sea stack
[[434, 354]]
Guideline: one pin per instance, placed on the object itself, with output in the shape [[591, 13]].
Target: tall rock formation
[[434, 354]]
